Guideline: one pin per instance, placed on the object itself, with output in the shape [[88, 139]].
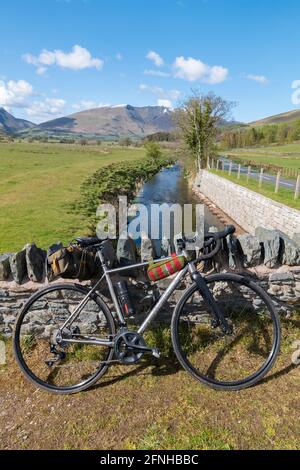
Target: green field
[[285, 156], [38, 184], [284, 196]]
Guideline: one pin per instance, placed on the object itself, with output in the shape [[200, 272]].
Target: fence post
[[277, 182], [261, 177], [249, 173], [218, 162], [230, 169], [297, 188], [239, 171], [223, 165]]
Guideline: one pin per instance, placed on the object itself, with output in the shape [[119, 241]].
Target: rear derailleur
[[58, 342], [58, 356]]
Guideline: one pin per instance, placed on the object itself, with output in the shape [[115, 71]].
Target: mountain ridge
[[281, 118], [118, 121], [114, 122], [11, 125]]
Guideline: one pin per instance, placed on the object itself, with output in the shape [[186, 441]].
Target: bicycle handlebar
[[229, 230], [216, 237]]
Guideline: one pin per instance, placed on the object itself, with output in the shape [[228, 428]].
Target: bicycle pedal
[[156, 353]]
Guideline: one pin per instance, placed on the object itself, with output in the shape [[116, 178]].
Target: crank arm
[[144, 349]]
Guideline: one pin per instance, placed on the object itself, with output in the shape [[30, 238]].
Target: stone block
[[18, 266]]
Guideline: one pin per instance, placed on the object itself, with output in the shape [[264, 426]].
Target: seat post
[[111, 288], [102, 260]]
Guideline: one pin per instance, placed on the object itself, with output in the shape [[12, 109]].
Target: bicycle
[[225, 330]]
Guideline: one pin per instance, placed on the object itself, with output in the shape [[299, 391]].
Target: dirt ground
[[155, 405]]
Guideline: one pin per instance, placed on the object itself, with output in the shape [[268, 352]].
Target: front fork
[[219, 319]]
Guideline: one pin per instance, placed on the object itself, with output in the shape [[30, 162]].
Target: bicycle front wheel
[[56, 365], [222, 361]]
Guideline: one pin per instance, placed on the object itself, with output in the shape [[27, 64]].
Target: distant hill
[[114, 122], [283, 118], [11, 125]]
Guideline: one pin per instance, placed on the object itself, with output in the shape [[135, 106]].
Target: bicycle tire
[[17, 347], [210, 382]]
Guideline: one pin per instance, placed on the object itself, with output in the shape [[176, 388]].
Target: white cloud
[[119, 56], [78, 59], [85, 104], [156, 73], [191, 69], [49, 108], [165, 97], [258, 78], [163, 94], [88, 104], [41, 70], [155, 58], [20, 94], [14, 93], [165, 103]]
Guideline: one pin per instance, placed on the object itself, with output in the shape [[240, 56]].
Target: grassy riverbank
[[39, 183], [119, 179], [284, 196]]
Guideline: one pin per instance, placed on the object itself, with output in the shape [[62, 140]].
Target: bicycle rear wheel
[[58, 366], [227, 362]]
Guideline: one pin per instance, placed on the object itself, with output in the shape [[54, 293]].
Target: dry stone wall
[[283, 285]]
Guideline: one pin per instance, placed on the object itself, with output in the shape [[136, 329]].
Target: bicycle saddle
[[85, 242]]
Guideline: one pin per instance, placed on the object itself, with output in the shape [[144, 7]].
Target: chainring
[[125, 353]]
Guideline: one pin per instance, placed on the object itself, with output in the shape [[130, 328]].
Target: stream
[[171, 186]]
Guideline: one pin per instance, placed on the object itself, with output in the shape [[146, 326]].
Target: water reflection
[[170, 186]]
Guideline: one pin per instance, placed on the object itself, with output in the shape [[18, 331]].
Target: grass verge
[[285, 196], [286, 157], [155, 405]]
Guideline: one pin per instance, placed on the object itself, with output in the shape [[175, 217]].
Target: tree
[[282, 133], [125, 142], [198, 120], [153, 151]]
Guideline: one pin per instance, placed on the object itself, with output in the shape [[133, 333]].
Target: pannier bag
[[71, 263], [164, 269]]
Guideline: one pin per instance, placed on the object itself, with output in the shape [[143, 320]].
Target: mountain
[[11, 125], [114, 121], [283, 118]]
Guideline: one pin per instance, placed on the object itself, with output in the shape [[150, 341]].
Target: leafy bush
[[121, 179], [153, 150]]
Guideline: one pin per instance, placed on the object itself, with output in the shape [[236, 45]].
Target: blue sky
[[60, 56]]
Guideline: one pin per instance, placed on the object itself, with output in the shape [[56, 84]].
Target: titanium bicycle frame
[[191, 268]]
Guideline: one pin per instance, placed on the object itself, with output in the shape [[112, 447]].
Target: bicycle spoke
[[224, 359], [44, 354]]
